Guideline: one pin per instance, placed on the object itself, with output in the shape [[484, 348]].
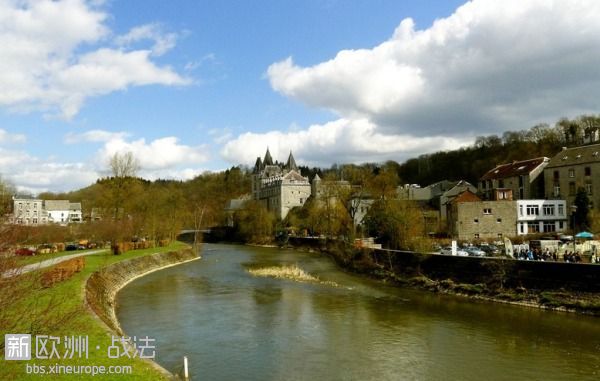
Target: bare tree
[[124, 164]]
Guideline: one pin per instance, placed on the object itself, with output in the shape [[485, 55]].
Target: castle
[[280, 187]]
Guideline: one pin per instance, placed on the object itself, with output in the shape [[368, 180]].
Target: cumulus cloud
[[342, 141], [157, 155], [164, 158], [491, 66], [52, 58]]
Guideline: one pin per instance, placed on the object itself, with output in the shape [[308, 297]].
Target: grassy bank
[[60, 311]]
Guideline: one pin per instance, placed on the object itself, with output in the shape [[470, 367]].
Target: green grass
[[71, 295]]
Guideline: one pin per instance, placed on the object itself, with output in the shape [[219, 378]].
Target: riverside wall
[[492, 272], [102, 286]]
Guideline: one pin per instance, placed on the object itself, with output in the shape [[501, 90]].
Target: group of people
[[537, 254], [572, 257]]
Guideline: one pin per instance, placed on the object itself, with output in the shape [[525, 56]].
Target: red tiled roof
[[466, 196], [516, 168]]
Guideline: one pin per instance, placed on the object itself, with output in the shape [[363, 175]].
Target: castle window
[[588, 171], [571, 172]]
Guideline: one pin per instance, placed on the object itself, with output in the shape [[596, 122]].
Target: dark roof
[[268, 159], [576, 155], [516, 168], [291, 163]]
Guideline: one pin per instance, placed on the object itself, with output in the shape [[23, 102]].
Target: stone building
[[471, 218], [519, 180], [29, 211], [571, 169], [280, 187]]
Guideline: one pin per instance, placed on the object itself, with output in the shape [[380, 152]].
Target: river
[[235, 326]]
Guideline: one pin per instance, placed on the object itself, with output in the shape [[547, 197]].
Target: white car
[[448, 251]]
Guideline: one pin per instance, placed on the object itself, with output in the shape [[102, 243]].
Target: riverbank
[[545, 285], [61, 311]]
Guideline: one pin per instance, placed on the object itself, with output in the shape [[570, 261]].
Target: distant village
[[531, 196]]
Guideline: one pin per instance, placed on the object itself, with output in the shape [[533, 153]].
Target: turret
[[268, 159], [291, 163]]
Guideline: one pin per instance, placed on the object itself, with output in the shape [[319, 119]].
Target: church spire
[[268, 159], [291, 163]]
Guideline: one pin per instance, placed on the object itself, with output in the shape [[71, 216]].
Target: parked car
[[25, 252], [475, 252], [490, 250], [71, 247], [448, 251]]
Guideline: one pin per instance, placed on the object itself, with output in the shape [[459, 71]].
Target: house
[[518, 180], [58, 211], [541, 216], [280, 187], [75, 213], [450, 194], [29, 211], [471, 218], [233, 206], [571, 169]]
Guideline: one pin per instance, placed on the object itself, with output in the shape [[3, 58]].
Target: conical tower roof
[[268, 159], [291, 163], [258, 166]]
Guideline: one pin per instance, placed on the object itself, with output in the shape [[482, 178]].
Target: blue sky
[[189, 86]]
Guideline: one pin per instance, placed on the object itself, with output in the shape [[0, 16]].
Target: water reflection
[[235, 326]]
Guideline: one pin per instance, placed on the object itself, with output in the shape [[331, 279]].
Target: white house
[[541, 216], [58, 211]]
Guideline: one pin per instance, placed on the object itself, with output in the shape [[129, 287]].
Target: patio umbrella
[[585, 235]]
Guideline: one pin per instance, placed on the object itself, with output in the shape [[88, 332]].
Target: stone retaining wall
[[103, 285]]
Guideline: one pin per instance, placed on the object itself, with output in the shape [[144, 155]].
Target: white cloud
[[164, 158], [7, 137], [489, 67], [158, 155], [163, 42], [94, 136], [342, 141], [51, 60]]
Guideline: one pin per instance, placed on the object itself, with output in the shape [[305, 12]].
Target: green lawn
[[67, 299]]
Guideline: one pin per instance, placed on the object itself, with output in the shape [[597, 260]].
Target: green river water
[[235, 326]]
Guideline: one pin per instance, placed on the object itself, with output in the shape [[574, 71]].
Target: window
[[500, 235], [588, 171], [561, 210], [487, 210], [520, 210], [561, 225], [476, 221], [501, 183], [533, 210], [548, 210], [571, 188], [533, 227], [556, 175], [571, 172], [588, 188], [549, 227], [476, 235], [556, 190], [521, 228], [499, 220]]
